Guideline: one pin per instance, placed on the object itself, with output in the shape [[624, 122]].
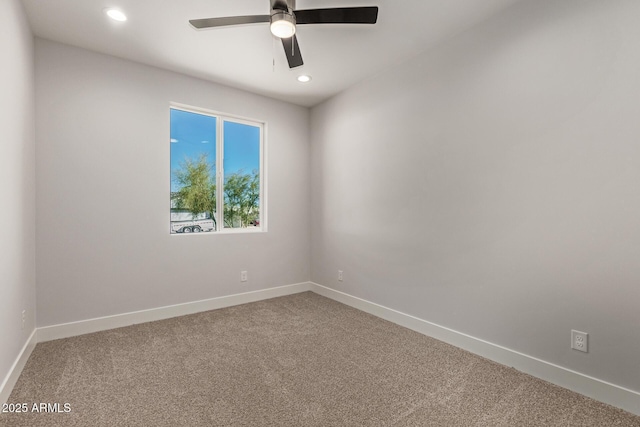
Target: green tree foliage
[[197, 194], [241, 199]]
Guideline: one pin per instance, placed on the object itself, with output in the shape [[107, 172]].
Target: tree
[[241, 198], [197, 193]]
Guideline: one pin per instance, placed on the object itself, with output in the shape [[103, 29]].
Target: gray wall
[[17, 175], [492, 185], [103, 241]]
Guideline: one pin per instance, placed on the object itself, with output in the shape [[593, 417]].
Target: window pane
[[193, 176], [241, 175]]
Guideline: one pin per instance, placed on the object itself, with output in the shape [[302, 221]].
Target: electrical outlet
[[580, 341], [244, 276], [340, 276], [24, 318]]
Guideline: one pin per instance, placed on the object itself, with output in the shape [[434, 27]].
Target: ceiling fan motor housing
[[280, 15], [289, 5]]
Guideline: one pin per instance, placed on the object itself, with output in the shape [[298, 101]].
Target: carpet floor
[[299, 360]]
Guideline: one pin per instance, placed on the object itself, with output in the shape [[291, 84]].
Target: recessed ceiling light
[[304, 78], [116, 15]]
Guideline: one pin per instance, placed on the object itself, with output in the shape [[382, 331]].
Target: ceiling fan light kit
[[283, 24], [284, 18]]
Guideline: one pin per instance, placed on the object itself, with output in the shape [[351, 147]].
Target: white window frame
[[221, 118]]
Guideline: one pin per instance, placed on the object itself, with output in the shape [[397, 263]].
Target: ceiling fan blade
[[339, 15], [292, 51], [230, 20]]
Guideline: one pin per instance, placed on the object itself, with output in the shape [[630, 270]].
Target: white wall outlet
[[580, 341], [244, 276], [340, 276], [24, 318]]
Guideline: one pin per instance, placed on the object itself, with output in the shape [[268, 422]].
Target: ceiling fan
[[284, 18]]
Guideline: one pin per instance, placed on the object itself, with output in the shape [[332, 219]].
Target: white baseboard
[[603, 391], [16, 368], [65, 330]]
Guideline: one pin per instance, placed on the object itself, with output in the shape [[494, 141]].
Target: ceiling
[[157, 33]]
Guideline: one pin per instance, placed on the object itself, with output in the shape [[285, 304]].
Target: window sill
[[253, 230]]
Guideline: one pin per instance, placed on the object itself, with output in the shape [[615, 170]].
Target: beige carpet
[[300, 360]]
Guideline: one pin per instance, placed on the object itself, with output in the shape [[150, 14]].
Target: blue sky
[[194, 134]]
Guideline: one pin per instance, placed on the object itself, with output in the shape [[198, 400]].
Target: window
[[216, 172]]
